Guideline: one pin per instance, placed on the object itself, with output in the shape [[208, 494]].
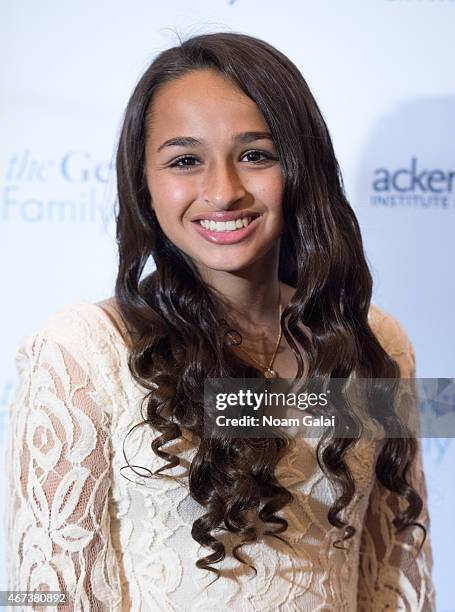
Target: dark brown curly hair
[[179, 339]]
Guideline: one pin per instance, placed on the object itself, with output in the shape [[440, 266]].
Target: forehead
[[202, 101]]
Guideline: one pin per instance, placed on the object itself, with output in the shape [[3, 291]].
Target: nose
[[223, 186]]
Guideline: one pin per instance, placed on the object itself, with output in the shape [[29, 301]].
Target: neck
[[250, 300]]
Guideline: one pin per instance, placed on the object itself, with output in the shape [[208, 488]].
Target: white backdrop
[[382, 73]]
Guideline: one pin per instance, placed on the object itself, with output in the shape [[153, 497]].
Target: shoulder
[[393, 338], [80, 328], [110, 308], [75, 320]]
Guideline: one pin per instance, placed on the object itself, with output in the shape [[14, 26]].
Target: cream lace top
[[117, 540]]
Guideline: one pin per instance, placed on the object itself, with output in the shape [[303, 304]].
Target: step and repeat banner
[[382, 73]]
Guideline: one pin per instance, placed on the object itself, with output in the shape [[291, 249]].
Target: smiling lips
[[226, 232], [225, 226]]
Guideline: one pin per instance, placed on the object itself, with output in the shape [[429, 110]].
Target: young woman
[[227, 178]]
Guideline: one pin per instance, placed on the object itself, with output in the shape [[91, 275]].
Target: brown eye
[[177, 163], [267, 156]]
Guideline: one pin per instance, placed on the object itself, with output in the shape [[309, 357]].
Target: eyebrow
[[189, 141]]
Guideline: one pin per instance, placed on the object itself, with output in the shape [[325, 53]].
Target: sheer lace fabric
[[116, 539]]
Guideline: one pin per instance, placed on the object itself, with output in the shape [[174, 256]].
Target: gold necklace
[[268, 371]]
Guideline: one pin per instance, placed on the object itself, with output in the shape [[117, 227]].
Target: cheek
[[170, 198], [272, 197], [270, 192]]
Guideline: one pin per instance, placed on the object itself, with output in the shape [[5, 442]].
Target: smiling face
[[213, 174]]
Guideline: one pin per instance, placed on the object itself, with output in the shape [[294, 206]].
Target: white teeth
[[225, 226]]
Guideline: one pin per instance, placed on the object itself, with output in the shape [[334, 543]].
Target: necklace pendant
[[269, 373]]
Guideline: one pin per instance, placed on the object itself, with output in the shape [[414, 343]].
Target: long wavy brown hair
[[179, 339]]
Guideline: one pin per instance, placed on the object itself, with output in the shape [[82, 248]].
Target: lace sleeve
[[391, 575], [58, 479]]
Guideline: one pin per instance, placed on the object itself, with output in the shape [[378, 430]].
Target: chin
[[234, 266], [223, 266]]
